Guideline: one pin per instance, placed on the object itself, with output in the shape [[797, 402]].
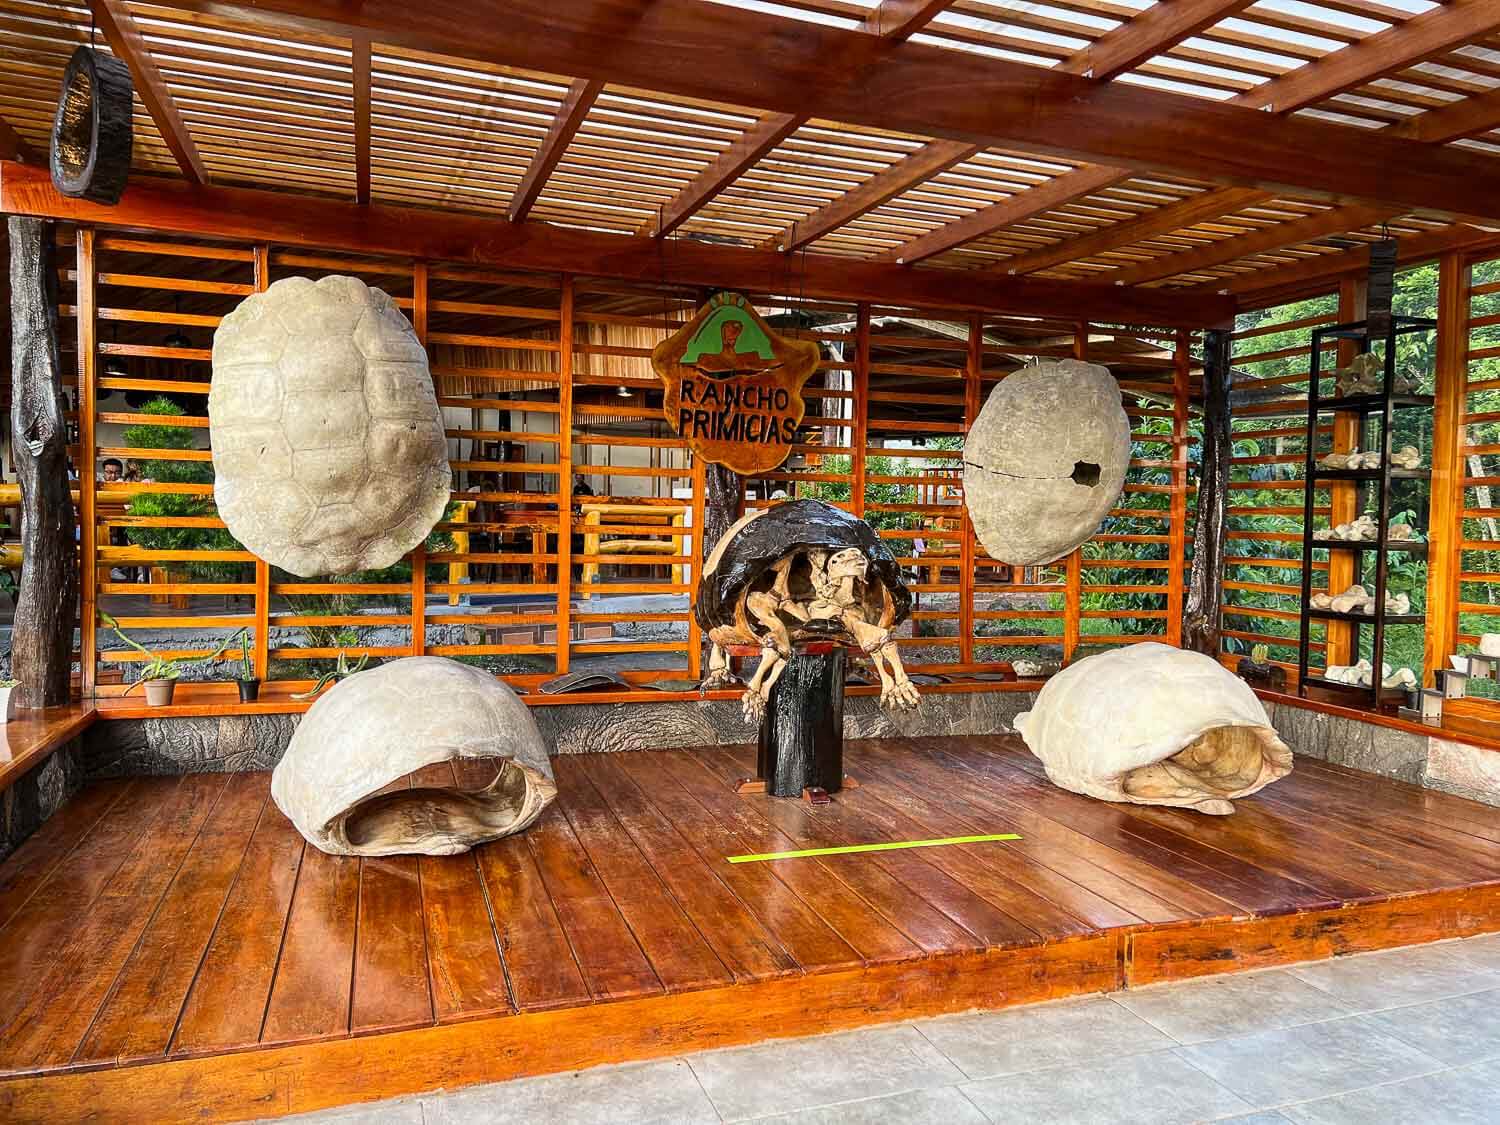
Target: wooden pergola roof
[[1201, 146]]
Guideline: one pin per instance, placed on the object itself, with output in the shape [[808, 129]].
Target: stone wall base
[[127, 747], [39, 793], [1421, 759]]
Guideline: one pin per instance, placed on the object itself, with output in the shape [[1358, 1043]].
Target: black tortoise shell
[[792, 526]]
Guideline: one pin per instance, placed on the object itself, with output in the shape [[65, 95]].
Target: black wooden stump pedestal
[[802, 734]]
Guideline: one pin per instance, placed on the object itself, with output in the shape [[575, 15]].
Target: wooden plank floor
[[160, 932]]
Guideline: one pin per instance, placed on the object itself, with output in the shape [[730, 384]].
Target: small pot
[[249, 690], [159, 692], [5, 704]]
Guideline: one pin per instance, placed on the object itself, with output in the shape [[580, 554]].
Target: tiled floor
[[1409, 1036]]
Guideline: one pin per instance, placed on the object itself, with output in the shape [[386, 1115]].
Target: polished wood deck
[[170, 947]]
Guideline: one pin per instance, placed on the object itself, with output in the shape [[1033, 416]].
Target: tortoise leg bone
[[758, 691], [897, 692], [719, 673]]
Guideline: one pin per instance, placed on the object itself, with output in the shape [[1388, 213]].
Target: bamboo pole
[[88, 370]]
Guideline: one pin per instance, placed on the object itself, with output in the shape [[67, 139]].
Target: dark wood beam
[[254, 215], [13, 146], [923, 164], [1140, 38], [894, 21], [744, 57], [1260, 288], [1437, 126], [1335, 220], [1434, 32], [1155, 30], [1056, 192], [360, 62], [1465, 118], [1397, 47], [570, 116], [1163, 220], [126, 41]]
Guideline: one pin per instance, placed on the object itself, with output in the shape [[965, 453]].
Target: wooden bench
[[641, 519]]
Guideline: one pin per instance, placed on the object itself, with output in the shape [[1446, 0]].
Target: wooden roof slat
[[361, 71], [125, 41], [1154, 31], [570, 114], [893, 21], [1420, 37]]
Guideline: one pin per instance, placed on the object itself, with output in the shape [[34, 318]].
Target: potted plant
[[246, 680], [160, 674], [160, 679], [6, 687]]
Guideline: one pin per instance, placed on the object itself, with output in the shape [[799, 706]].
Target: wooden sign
[[734, 386]]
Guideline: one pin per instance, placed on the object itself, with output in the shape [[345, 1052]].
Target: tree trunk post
[[802, 734], [1203, 609], [42, 637]]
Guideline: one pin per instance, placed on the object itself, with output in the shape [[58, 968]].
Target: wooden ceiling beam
[[1140, 38], [128, 45], [1335, 220], [1047, 196], [1158, 29], [1422, 37], [1184, 213], [1465, 118], [13, 146], [1261, 288], [255, 215], [744, 57], [360, 64], [928, 161], [1395, 48], [575, 106], [894, 21]]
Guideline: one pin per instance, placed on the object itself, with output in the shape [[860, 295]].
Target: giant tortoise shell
[[741, 564], [376, 727], [328, 447]]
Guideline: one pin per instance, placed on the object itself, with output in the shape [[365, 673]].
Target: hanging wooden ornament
[[92, 136], [734, 385]]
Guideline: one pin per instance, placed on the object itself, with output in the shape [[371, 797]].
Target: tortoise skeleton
[[802, 571]]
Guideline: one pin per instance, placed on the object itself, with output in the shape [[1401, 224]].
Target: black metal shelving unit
[[1381, 408]]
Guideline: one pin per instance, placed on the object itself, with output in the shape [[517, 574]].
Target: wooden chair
[[638, 514]]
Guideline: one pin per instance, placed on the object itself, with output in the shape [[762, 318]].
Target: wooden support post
[[1343, 495], [802, 735], [861, 428], [42, 635], [260, 656], [1182, 367], [1203, 609], [419, 552], [699, 552], [87, 325], [1073, 564], [973, 389], [1449, 434], [564, 477]]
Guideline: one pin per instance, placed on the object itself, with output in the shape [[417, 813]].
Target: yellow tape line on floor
[[888, 847]]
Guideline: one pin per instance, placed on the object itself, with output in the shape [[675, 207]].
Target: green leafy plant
[[340, 670], [247, 662], [156, 667]]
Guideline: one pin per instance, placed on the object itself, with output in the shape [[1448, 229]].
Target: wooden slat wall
[[1474, 606], [531, 419], [1263, 567]]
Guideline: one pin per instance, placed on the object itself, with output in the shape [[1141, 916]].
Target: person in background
[[111, 470]]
